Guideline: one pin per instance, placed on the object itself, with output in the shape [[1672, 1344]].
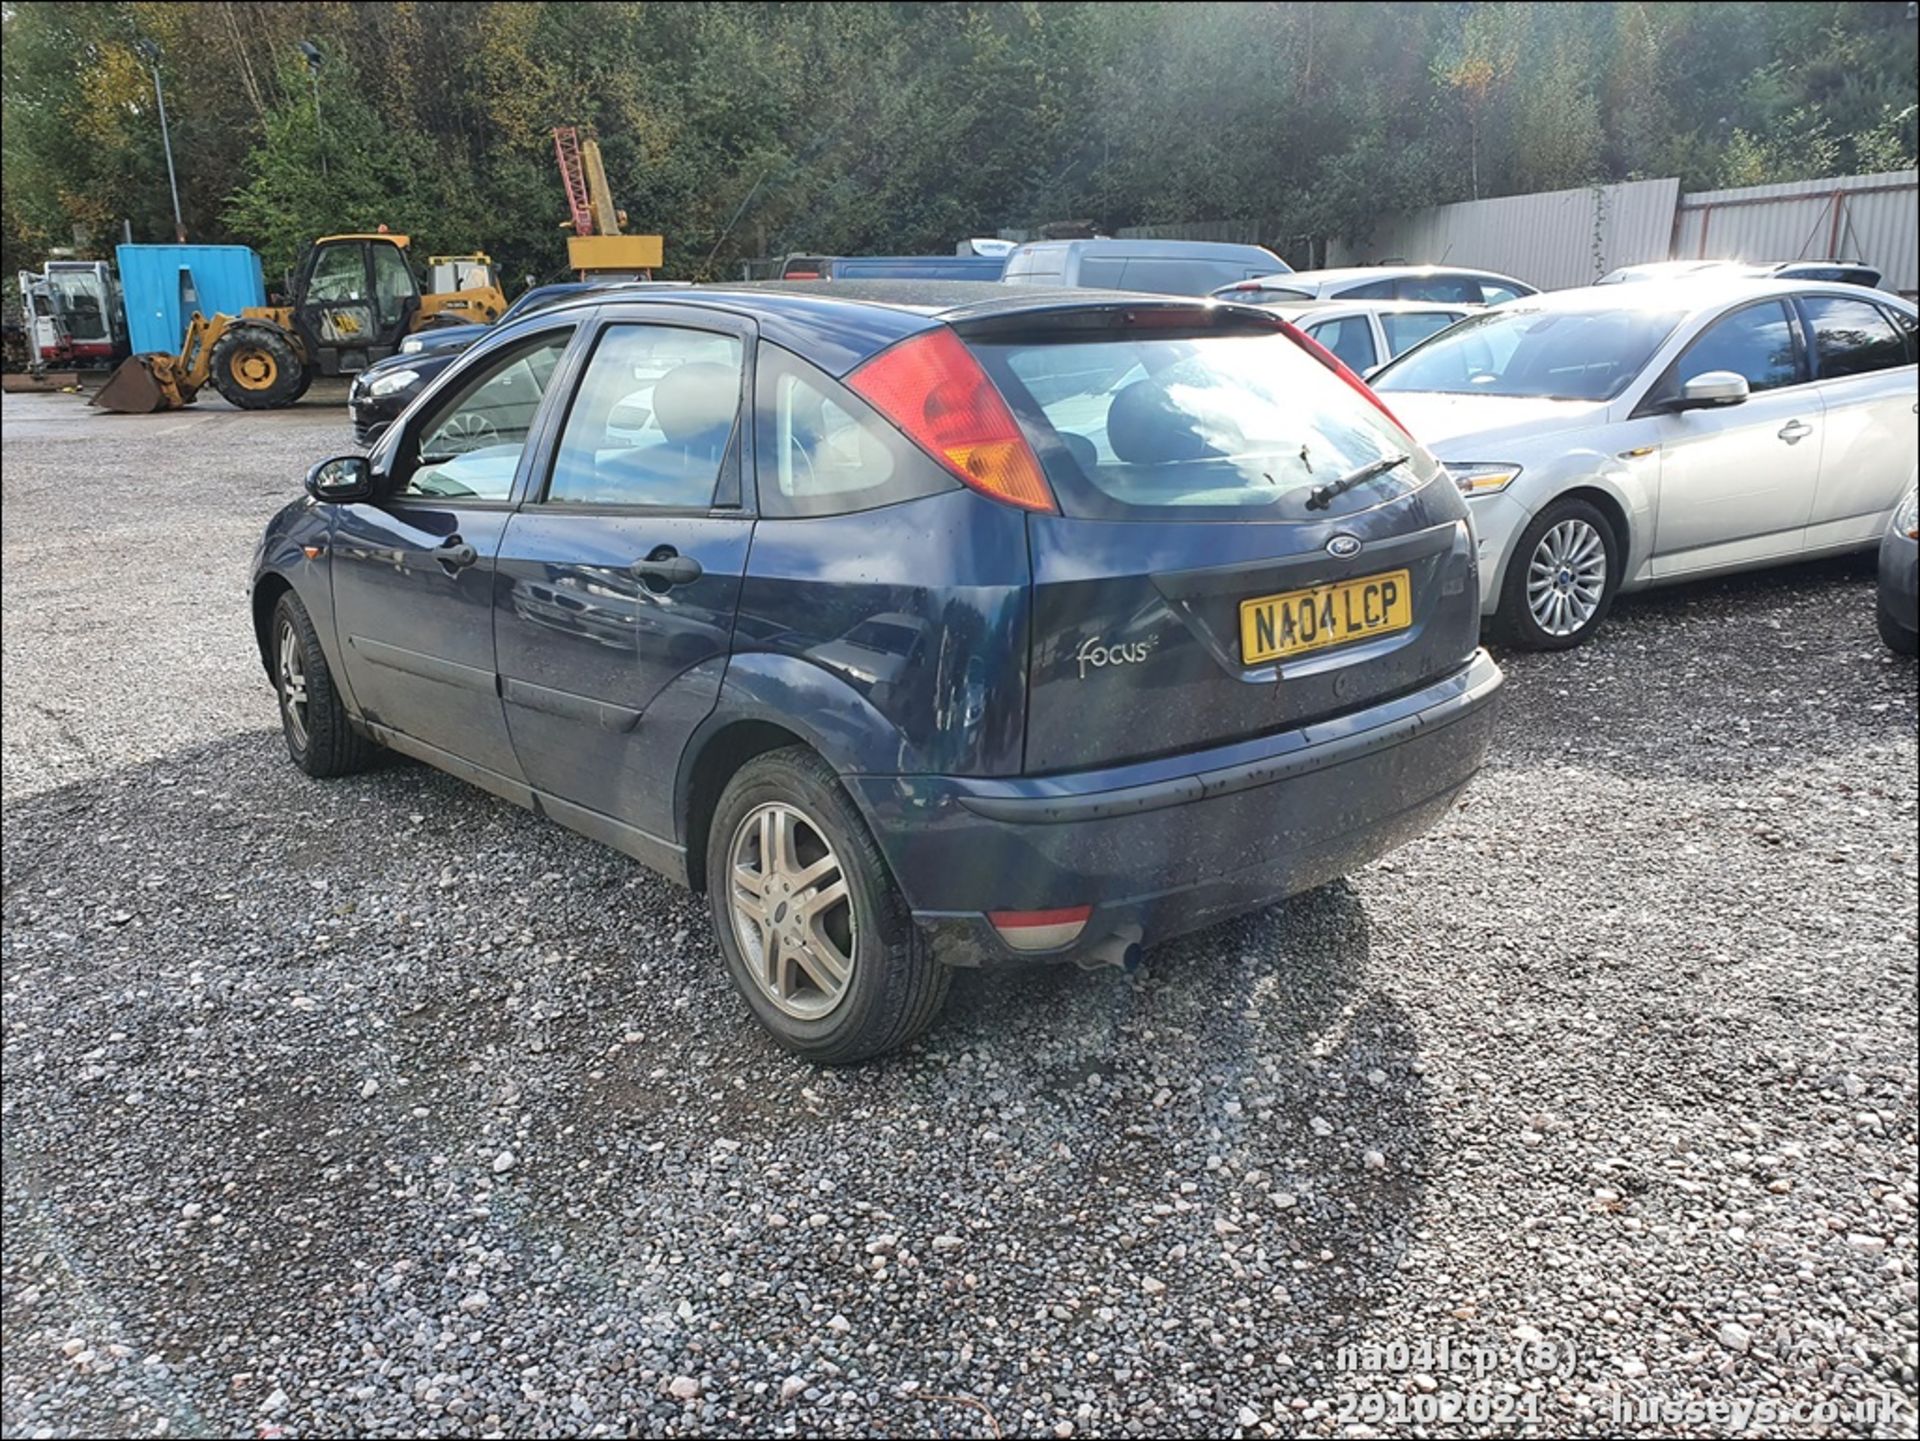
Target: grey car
[[1163, 267]]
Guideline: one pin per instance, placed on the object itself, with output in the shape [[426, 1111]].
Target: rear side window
[[1372, 290], [1351, 339], [1852, 337], [1440, 289], [821, 449], [1493, 292], [1757, 342], [1406, 329], [652, 421], [1210, 426]]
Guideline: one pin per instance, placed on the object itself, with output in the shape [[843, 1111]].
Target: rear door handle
[[665, 568], [1794, 431], [455, 554]]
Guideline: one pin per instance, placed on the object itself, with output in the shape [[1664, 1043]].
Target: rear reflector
[[934, 390], [1040, 930], [1339, 367]]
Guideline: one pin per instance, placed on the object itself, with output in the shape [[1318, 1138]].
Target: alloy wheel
[[293, 683], [792, 912], [1567, 577]]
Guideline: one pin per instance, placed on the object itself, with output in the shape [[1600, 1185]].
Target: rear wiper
[[1323, 496]]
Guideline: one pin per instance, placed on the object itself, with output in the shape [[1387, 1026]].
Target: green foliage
[[758, 128]]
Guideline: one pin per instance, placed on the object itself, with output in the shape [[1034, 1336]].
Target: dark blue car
[[917, 625]]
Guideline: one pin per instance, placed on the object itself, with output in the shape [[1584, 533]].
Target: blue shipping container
[[165, 284]]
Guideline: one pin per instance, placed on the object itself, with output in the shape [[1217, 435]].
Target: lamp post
[[150, 52], [312, 52]]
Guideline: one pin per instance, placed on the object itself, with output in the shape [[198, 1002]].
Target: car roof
[[1698, 293], [1143, 246], [1341, 274], [836, 324], [1340, 304]]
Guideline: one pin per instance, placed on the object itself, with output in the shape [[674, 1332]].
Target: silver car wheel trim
[[1567, 577], [293, 683], [792, 912]]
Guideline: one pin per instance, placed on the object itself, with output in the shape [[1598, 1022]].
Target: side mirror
[[1712, 389], [343, 479]]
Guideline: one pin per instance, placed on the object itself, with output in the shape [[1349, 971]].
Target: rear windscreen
[[1213, 427]]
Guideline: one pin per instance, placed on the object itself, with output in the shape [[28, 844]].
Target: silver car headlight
[[1906, 515], [388, 384], [1482, 477]]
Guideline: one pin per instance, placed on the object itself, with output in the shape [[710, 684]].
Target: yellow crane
[[597, 245]]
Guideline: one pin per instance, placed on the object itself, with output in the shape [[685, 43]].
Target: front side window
[[1756, 342], [1493, 292], [1407, 328], [470, 445], [1350, 338], [1852, 337], [1547, 354], [822, 450], [339, 274], [652, 420]]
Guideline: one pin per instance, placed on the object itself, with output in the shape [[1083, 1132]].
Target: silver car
[[1366, 334], [1442, 284], [1625, 436]]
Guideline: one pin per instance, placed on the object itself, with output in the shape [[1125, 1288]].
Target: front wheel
[[320, 739], [1561, 578], [255, 367], [815, 934]]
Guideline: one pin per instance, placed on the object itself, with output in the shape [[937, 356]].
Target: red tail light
[[1339, 367], [934, 390]]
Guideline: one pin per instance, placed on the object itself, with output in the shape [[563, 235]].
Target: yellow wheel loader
[[355, 300]]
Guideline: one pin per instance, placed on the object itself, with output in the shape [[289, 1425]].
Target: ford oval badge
[[1343, 547]]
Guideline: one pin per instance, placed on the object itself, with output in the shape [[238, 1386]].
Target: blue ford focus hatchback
[[917, 625]]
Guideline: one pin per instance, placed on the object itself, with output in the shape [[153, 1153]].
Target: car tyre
[[255, 367], [1561, 579], [320, 739], [1899, 639], [815, 933]]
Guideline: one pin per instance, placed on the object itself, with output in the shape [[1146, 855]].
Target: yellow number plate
[[1273, 627]]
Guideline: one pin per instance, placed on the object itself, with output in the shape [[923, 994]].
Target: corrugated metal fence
[[1552, 240], [1572, 237], [1875, 218]]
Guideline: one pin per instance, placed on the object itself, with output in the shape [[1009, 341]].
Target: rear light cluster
[[935, 391]]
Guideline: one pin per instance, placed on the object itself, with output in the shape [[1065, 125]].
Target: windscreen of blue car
[[1211, 427], [1545, 354]]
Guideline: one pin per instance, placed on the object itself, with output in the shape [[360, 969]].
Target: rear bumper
[[1164, 847], [1900, 579]]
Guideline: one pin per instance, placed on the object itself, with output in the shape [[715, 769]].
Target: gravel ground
[[380, 1107]]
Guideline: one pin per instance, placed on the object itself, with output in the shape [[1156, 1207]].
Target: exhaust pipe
[[1121, 949]]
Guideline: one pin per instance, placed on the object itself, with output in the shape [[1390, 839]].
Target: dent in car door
[[620, 578]]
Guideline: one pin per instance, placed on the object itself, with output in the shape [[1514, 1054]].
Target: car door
[[414, 574], [1737, 481], [1864, 374], [620, 575]]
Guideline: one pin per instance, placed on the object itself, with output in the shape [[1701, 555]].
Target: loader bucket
[[141, 385]]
